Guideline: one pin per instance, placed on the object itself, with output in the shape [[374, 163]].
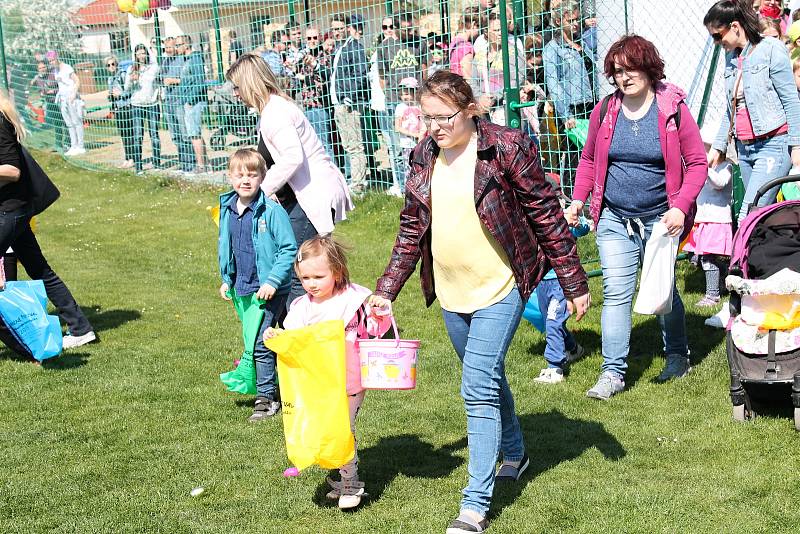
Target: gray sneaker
[[264, 409], [677, 366], [608, 385]]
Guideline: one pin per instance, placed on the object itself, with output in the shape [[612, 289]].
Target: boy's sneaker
[[608, 385], [263, 409], [349, 492], [468, 522], [575, 354], [677, 366], [71, 342], [551, 375]]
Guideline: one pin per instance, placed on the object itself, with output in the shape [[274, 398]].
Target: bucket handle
[[394, 329]]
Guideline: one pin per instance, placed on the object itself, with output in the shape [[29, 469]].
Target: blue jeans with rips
[[761, 162], [481, 340], [621, 254]]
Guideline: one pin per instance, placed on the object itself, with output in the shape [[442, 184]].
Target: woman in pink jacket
[[643, 162], [300, 173]]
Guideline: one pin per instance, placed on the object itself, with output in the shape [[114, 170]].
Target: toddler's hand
[[270, 332], [265, 292], [223, 289], [380, 302]]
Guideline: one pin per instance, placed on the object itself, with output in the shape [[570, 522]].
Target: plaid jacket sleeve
[[405, 253], [545, 216]]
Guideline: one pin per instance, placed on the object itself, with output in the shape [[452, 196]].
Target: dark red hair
[[634, 52]]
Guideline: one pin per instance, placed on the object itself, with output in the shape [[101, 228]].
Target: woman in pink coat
[[643, 162]]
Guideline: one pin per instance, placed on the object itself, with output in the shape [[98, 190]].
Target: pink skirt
[[710, 238]]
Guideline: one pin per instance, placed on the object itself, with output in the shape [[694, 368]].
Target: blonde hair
[[796, 65], [255, 81], [331, 250], [248, 159], [10, 113]]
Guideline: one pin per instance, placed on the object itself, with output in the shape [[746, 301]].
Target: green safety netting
[[72, 69]]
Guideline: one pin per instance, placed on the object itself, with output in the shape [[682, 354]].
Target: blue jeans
[[175, 117], [265, 359], [620, 255], [553, 306], [320, 120], [481, 339], [760, 162], [392, 140], [303, 230], [150, 115], [193, 119]]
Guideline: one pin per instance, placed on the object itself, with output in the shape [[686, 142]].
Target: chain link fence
[[140, 84]]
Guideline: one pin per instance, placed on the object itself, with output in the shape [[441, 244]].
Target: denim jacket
[[273, 241], [118, 81], [567, 79], [769, 91]]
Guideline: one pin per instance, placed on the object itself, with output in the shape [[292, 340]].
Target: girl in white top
[[304, 179], [69, 102]]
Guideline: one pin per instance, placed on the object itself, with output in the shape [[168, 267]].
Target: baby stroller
[[764, 350], [232, 117]]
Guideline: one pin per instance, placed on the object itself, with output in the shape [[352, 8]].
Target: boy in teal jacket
[[257, 249]]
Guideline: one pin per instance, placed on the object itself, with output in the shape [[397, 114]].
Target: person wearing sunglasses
[[314, 75], [120, 99], [487, 226], [762, 114]]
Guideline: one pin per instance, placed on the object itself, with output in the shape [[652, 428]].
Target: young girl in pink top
[[322, 268]]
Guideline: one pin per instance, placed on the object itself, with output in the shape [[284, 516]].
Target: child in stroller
[[232, 117], [763, 341]]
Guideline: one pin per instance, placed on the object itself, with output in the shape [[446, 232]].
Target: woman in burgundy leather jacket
[[498, 229]]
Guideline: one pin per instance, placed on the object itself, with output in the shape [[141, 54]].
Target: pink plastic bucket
[[388, 363]]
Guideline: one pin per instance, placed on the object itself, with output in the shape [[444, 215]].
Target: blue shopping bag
[[23, 308]]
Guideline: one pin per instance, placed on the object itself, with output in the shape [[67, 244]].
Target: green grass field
[[112, 437]]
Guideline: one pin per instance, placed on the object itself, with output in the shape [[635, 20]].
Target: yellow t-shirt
[[470, 269]]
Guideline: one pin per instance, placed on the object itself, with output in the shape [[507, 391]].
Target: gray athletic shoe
[[264, 409], [608, 385], [576, 354], [676, 366]]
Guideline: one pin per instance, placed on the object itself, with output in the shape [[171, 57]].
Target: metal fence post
[[218, 39], [3, 66], [511, 95]]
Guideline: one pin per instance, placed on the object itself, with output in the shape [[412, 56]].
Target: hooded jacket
[[685, 163]]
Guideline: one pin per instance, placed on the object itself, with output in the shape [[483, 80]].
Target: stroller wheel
[[740, 414], [797, 419]]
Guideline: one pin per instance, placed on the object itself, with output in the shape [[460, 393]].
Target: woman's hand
[[715, 158], [379, 302], [572, 213], [795, 156], [673, 220], [579, 305], [570, 123]]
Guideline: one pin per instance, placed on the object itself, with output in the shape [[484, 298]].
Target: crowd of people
[[644, 164]]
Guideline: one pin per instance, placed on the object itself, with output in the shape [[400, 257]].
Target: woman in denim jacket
[[759, 80]]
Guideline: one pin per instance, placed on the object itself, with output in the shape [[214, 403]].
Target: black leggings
[[15, 232]]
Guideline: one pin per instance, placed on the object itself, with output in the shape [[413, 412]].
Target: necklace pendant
[[635, 129]]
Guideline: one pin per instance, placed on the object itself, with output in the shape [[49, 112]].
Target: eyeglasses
[[387, 26], [178, 44], [112, 64], [312, 37], [441, 120], [718, 36], [619, 73]]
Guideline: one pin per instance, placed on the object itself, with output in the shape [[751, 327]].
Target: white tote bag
[[658, 273]]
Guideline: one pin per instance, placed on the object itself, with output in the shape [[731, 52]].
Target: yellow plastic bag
[[316, 421]]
